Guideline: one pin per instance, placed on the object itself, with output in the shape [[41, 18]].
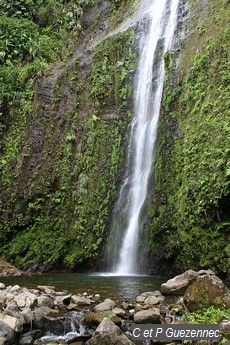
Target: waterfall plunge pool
[[108, 286]]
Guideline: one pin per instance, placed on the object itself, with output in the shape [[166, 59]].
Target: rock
[[140, 299], [15, 288], [203, 272], [16, 323], [207, 290], [119, 312], [3, 340], [97, 296], [12, 309], [138, 307], [2, 286], [147, 316], [176, 309], [95, 318], [7, 332], [40, 316], [127, 306], [179, 284], [45, 301], [30, 337], [47, 289], [81, 301], [26, 299], [72, 306], [108, 304], [2, 300], [151, 300], [107, 333], [28, 315], [225, 328]]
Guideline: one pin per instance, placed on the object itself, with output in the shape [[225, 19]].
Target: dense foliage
[[192, 177], [62, 145]]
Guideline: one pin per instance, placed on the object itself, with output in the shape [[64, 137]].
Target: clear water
[[115, 287], [162, 18]]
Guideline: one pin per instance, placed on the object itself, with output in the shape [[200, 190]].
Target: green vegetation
[[61, 156], [191, 179], [209, 315]]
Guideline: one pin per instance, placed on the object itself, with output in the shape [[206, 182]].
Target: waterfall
[[162, 18]]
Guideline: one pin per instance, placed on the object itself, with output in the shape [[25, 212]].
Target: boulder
[[107, 333], [179, 284], [204, 272], [12, 309], [93, 319], [26, 299], [2, 300], [140, 299], [40, 316], [3, 339], [81, 301], [147, 316], [30, 337], [108, 304], [16, 323], [207, 290], [7, 334], [45, 301], [66, 299], [225, 328], [119, 312], [15, 288], [151, 300], [48, 289]]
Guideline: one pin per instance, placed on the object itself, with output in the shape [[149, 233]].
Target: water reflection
[[117, 287]]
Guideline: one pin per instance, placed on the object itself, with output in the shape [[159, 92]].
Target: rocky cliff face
[[66, 105], [63, 145], [189, 215]]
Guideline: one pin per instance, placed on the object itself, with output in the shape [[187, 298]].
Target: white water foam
[[162, 15]]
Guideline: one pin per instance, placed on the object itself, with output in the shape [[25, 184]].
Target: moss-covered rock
[[207, 291]]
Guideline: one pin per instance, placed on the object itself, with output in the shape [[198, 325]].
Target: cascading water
[[162, 17]]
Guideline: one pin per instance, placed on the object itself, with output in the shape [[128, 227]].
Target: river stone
[[40, 316], [140, 299], [12, 309], [2, 286], [48, 289], [30, 337], [2, 300], [119, 312], [64, 302], [45, 301], [151, 300], [107, 333], [16, 323], [81, 301], [26, 299], [179, 284], [15, 288], [225, 328], [7, 333], [147, 316], [204, 272], [108, 304], [95, 318], [207, 290]]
